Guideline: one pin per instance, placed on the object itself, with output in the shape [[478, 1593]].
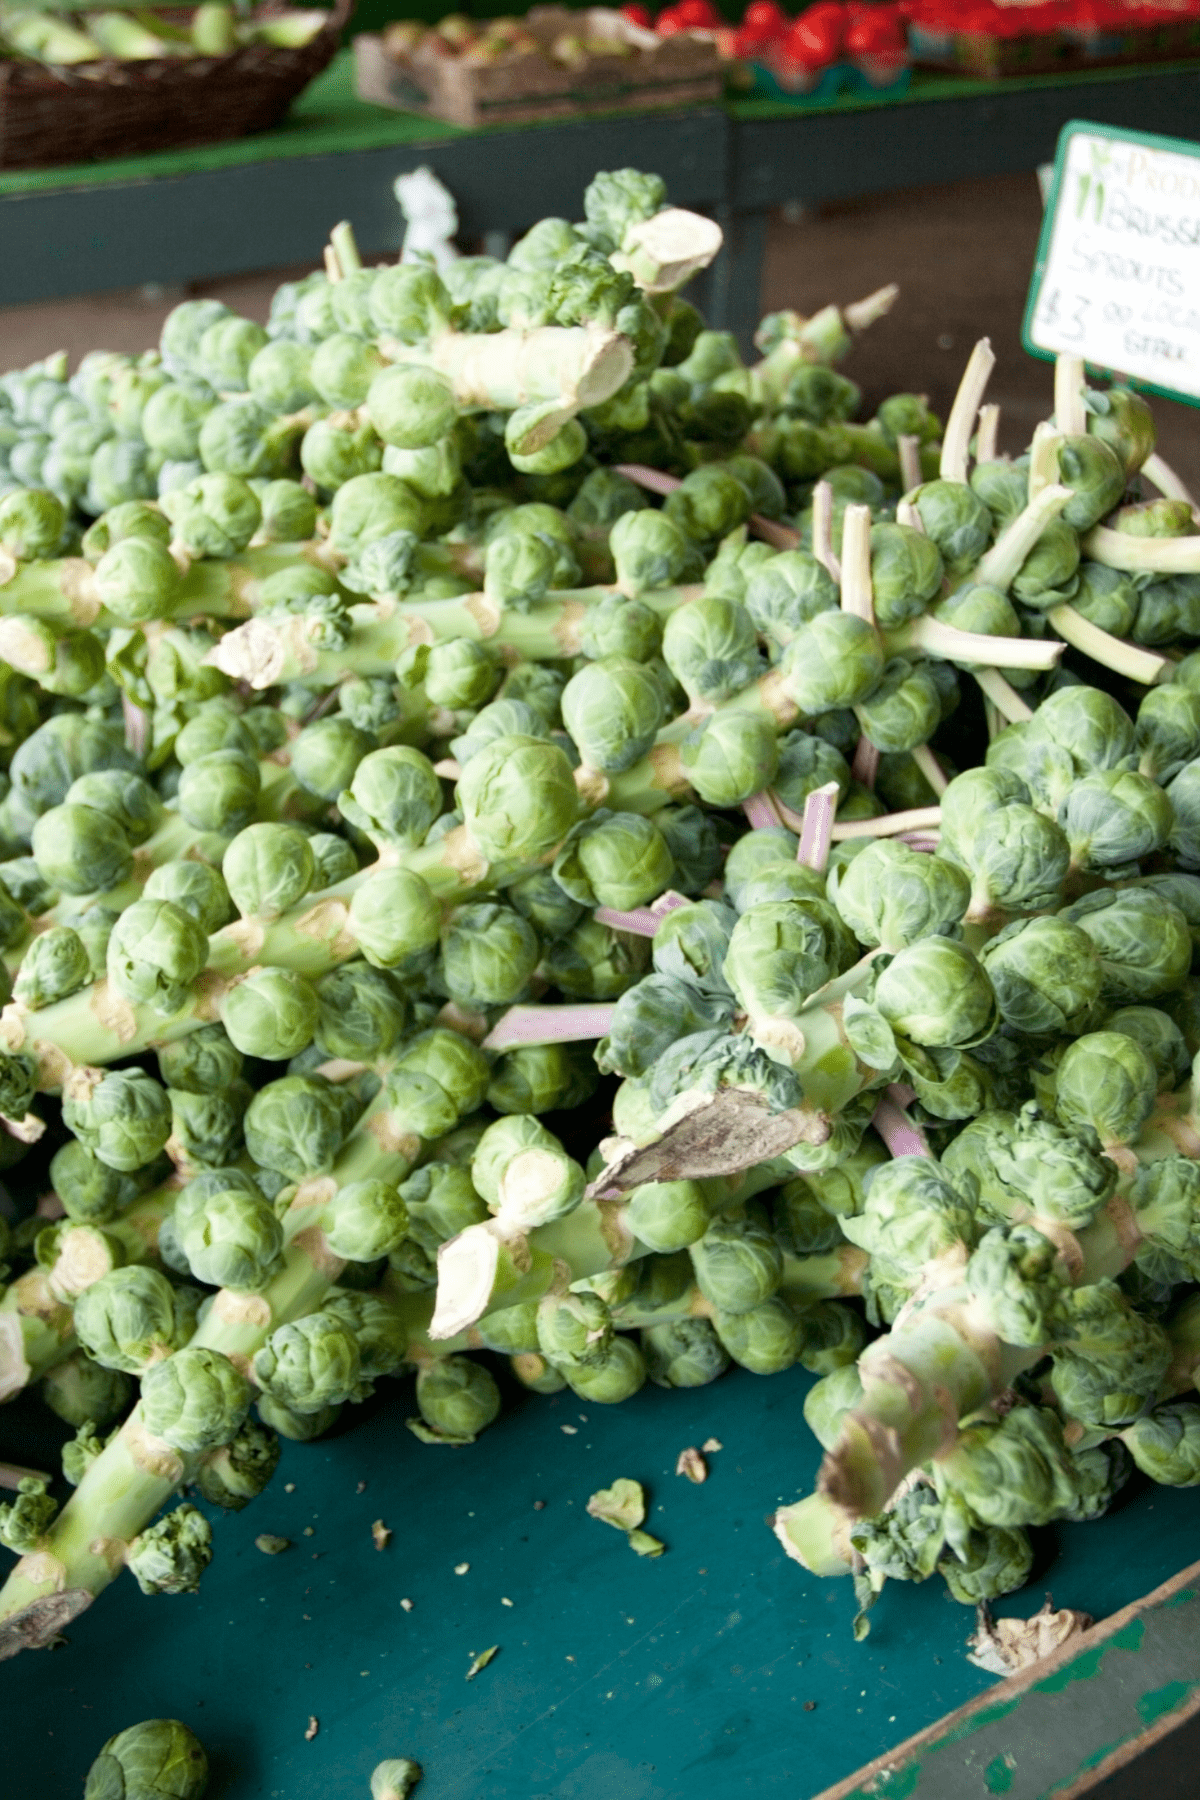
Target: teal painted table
[[717, 1670]]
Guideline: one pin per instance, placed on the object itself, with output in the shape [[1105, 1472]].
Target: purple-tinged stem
[[548, 1025], [816, 827], [865, 766], [898, 1132], [12, 1475], [760, 812], [822, 529]]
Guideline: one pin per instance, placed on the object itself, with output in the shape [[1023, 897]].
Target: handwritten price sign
[[1117, 279]]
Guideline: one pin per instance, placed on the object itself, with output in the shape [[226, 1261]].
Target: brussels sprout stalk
[[956, 439], [987, 434], [1166, 480], [549, 1025], [1003, 695], [816, 827], [1150, 555], [1110, 652], [1070, 415]]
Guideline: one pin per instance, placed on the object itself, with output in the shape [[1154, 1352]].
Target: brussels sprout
[[913, 1212], [1168, 730], [124, 1118], [738, 1265], [236, 1473], [651, 1016], [1115, 817], [1122, 419], [80, 850], [937, 993], [131, 1317], [1107, 597], [364, 1220], [381, 1336], [57, 753], [124, 796], [834, 660], [206, 1129], [574, 1327], [685, 1353], [227, 1231], [298, 1427], [805, 764], [893, 896], [708, 503], [459, 674], [410, 406], [540, 1078], [691, 837], [213, 727], [1017, 860], [1183, 891], [786, 593], [1023, 1165], [1165, 1444], [334, 453], [31, 523], [969, 802], [1142, 938], [1107, 1081], [779, 954], [756, 851], [310, 1363], [612, 709], [218, 792], [956, 520], [91, 1192], [394, 797], [614, 859], [904, 710], [1167, 610], [268, 868], [343, 368], [394, 916], [54, 966], [280, 377], [549, 909], [450, 1060], [711, 648], [691, 944], [980, 609], [81, 1391], [196, 889], [170, 1556], [1110, 1360], [1096, 477], [457, 1398], [1047, 976], [1161, 1039], [593, 963], [668, 1215], [195, 1399], [489, 953], [765, 1340], [731, 756], [272, 1013], [518, 799], [159, 1759], [651, 551], [296, 1126], [326, 755], [214, 516], [155, 952], [361, 1015], [804, 1226], [1184, 795], [906, 572]]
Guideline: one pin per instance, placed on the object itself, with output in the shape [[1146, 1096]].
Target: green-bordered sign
[[1117, 279]]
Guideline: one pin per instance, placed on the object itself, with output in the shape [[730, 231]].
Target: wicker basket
[[98, 110]]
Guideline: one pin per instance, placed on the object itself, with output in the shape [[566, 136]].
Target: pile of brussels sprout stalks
[[526, 836]]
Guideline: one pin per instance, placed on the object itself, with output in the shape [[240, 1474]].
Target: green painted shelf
[[719, 1669]]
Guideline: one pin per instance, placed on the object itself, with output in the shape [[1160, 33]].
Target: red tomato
[[764, 19], [815, 38], [667, 23], [638, 15]]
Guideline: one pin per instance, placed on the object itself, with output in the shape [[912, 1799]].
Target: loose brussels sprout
[[614, 859], [79, 850], [937, 993], [195, 888], [612, 709], [893, 896], [131, 1317], [296, 1126], [159, 1759], [834, 660], [218, 792], [155, 952], [268, 868], [1165, 1444], [310, 1363], [1047, 976], [731, 756], [711, 648], [124, 1118], [55, 965]]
